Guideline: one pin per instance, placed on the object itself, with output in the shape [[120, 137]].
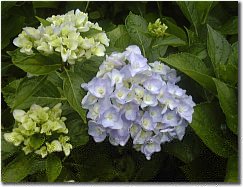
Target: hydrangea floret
[[71, 35], [157, 29], [131, 98], [41, 130]]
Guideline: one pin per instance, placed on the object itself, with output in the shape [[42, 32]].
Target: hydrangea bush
[[131, 98], [119, 92]]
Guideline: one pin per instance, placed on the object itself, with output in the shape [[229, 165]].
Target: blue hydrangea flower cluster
[[131, 98]]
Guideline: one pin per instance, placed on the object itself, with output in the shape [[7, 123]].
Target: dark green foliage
[[201, 43]]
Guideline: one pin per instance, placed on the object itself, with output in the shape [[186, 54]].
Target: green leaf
[[18, 169], [206, 123], [8, 149], [91, 32], [174, 29], [232, 169], [44, 22], [218, 49], [203, 9], [38, 165], [36, 64], [125, 168], [195, 12], [5, 67], [37, 140], [229, 104], [199, 50], [9, 92], [170, 40], [191, 36], [45, 4], [94, 15], [157, 52], [47, 95], [229, 71], [73, 91], [93, 163], [186, 150], [206, 168], [88, 68], [54, 78], [6, 5], [53, 167], [233, 57], [148, 168], [230, 27], [192, 66], [119, 37], [77, 131], [13, 29], [19, 91], [137, 30]]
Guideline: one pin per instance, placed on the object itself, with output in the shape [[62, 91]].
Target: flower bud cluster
[[71, 34], [40, 130], [156, 29], [131, 98]]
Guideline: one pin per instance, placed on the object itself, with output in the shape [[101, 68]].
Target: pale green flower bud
[[88, 43], [88, 53], [95, 26], [56, 20], [45, 47], [47, 127], [66, 148], [27, 149], [65, 53], [32, 32], [14, 137], [48, 30], [55, 112], [19, 115], [42, 151], [38, 114], [55, 41], [29, 124], [25, 132], [98, 50], [58, 126], [101, 37], [63, 139], [156, 29], [54, 146], [24, 43], [71, 41]]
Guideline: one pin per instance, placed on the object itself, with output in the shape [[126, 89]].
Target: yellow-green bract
[[34, 128]]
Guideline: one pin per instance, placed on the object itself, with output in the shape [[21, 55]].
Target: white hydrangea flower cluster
[[36, 126], [130, 98], [71, 34]]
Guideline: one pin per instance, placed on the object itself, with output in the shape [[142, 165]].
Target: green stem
[[87, 5], [160, 14]]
